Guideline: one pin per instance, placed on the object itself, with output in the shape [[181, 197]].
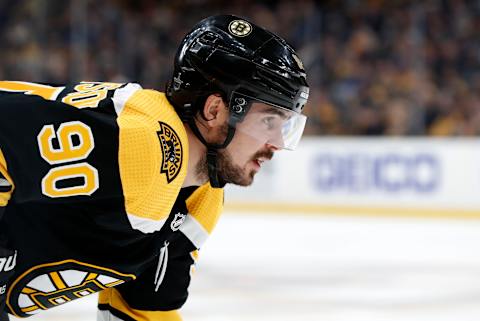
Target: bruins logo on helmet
[[240, 28], [172, 151], [50, 285]]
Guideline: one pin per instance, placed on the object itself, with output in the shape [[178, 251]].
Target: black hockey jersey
[[90, 181]]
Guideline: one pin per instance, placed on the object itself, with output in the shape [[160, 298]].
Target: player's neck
[[196, 154]]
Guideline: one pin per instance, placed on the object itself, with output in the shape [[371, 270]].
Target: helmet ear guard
[[244, 63]]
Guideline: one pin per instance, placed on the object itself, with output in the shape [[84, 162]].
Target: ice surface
[[335, 268]]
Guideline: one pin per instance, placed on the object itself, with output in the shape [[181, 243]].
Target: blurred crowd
[[375, 67]]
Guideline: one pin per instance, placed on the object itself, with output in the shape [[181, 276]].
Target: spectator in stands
[[376, 67]]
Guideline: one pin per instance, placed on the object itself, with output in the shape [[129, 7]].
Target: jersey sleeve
[[143, 300], [153, 155], [162, 289]]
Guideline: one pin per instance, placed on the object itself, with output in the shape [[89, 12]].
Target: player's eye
[[269, 122]]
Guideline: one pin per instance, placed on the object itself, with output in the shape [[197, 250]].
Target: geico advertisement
[[382, 171]]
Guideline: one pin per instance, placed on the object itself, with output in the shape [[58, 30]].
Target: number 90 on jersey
[[74, 142]]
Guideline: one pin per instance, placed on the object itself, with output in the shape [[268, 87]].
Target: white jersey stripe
[[121, 96], [145, 225], [194, 231]]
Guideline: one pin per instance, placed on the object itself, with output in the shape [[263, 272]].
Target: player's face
[[256, 140]]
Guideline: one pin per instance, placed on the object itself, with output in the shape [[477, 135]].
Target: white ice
[[335, 268]]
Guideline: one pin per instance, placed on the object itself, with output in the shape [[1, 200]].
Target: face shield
[[267, 123]]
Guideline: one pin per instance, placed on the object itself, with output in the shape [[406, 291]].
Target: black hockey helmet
[[244, 63]]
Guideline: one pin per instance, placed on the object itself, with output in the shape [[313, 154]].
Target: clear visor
[[273, 125]]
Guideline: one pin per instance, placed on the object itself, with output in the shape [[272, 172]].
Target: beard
[[232, 173], [228, 171]]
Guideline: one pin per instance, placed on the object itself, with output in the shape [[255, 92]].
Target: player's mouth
[[260, 158], [258, 162]]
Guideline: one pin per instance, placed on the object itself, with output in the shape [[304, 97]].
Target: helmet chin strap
[[212, 152], [215, 180]]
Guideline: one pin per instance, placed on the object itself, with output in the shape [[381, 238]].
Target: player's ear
[[214, 111]]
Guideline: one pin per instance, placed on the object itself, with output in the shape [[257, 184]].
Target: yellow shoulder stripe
[[153, 155], [205, 206], [113, 298]]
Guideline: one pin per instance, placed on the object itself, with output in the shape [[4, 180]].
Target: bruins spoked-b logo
[[240, 28], [50, 285], [172, 151]]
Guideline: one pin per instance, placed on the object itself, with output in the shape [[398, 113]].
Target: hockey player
[[112, 188]]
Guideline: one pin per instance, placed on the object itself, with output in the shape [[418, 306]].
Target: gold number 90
[[66, 152]]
